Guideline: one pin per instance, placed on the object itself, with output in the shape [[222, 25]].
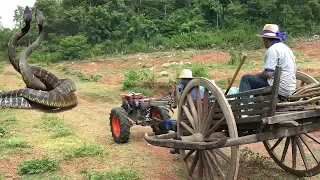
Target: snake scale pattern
[[43, 87]]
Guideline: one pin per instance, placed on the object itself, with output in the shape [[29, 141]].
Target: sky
[[7, 10]]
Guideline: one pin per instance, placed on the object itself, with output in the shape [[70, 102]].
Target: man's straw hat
[[270, 31], [185, 74]]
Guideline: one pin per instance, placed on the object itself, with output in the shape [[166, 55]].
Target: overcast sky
[[7, 10]]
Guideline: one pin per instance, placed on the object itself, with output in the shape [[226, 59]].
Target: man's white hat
[[185, 73], [270, 31]]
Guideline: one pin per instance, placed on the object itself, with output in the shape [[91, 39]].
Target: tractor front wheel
[[119, 125], [161, 113]]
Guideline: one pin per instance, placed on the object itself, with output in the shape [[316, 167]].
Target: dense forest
[[78, 29]]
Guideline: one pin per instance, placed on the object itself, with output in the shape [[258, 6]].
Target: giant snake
[[43, 87]]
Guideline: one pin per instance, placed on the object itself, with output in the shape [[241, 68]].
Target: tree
[[1, 25], [107, 22]]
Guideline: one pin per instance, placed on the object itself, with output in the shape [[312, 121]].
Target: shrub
[[200, 70], [84, 150], [38, 166], [74, 47], [235, 55], [131, 79]]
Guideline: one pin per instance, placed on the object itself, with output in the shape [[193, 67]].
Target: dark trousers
[[249, 82]]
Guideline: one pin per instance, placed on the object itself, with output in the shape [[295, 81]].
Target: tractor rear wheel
[[161, 113], [119, 125]]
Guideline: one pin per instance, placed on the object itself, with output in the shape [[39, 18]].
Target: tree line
[[78, 29]]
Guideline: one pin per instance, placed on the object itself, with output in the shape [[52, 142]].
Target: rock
[[188, 63], [165, 65], [1, 134], [181, 63], [164, 73]]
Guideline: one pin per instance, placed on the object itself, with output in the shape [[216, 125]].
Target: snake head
[[27, 16], [39, 17]]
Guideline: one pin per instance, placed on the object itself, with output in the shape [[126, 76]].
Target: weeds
[[235, 55], [222, 83], [254, 158], [57, 126], [198, 70], [84, 150], [84, 77], [138, 78], [13, 142], [112, 174], [38, 166], [7, 141]]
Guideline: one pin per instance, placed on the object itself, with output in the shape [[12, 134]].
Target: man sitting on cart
[[277, 54]]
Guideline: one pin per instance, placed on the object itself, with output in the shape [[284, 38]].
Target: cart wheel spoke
[[200, 167], [189, 116], [285, 150], [188, 154], [216, 163], [313, 138], [215, 127], [309, 148], [207, 169], [302, 153], [194, 163], [213, 172], [276, 144], [193, 110], [209, 118], [222, 155], [294, 152], [205, 107], [199, 107], [188, 128]]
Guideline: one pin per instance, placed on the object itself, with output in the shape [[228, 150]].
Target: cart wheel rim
[[116, 126], [155, 114], [206, 119], [298, 154]]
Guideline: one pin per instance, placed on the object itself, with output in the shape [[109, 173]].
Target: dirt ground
[[83, 117]]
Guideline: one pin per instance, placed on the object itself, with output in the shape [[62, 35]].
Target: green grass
[[304, 61], [9, 139], [222, 83], [2, 175], [13, 142], [46, 176], [298, 53], [38, 166], [84, 150], [56, 126], [2, 65], [99, 92], [112, 174]]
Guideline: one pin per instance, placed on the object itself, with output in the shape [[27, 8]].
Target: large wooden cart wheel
[[198, 122], [300, 154], [304, 79]]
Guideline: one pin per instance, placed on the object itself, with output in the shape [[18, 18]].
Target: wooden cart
[[211, 128]]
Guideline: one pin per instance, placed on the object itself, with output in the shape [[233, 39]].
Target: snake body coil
[[43, 87]]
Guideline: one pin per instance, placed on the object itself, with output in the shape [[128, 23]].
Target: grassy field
[[77, 143]]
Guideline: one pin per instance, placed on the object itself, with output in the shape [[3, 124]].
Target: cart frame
[[205, 125]]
